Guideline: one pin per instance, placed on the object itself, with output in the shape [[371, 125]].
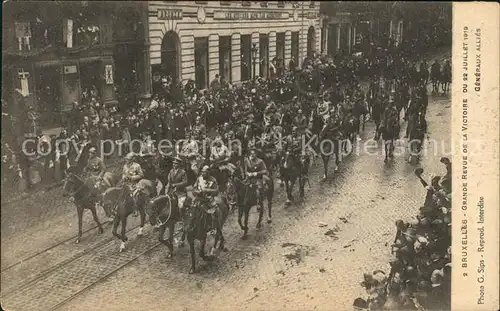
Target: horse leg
[[386, 151], [240, 215], [301, 185], [269, 205], [143, 218], [245, 227], [170, 239], [79, 211], [116, 222], [336, 147], [192, 251], [203, 242], [288, 192], [261, 211], [123, 236], [326, 159], [94, 215]]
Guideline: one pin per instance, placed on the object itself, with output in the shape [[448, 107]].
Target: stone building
[[57, 53], [235, 39]]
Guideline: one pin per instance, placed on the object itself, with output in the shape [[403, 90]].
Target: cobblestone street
[[312, 256]]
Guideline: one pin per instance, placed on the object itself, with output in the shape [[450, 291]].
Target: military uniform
[[255, 166], [176, 176], [202, 185], [96, 166], [130, 170]]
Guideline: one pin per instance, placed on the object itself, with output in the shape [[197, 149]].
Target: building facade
[[55, 54], [195, 40]]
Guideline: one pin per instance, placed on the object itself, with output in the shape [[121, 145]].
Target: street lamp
[[254, 57]]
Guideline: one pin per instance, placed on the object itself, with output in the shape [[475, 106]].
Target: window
[[312, 4], [23, 36], [225, 2], [264, 55], [85, 27], [295, 46], [201, 62], [281, 4], [263, 4], [225, 58], [280, 52], [246, 57], [246, 3], [201, 2]]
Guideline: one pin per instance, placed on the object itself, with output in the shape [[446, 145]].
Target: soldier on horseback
[[190, 152], [177, 182], [256, 170], [96, 167], [205, 190], [132, 173]]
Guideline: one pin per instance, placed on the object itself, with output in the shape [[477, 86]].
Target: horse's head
[[157, 208], [72, 184]]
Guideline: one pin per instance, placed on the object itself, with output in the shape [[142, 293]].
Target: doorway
[[170, 55], [48, 91]]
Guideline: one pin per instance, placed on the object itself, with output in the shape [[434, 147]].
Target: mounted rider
[[324, 107], [190, 151], [220, 156], [132, 172], [391, 117], [256, 170], [205, 190], [177, 182], [97, 168]]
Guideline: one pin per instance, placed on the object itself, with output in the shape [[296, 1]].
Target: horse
[[197, 224], [328, 143], [84, 198], [390, 132], [377, 113], [252, 198], [127, 203], [417, 129], [293, 167], [163, 212], [446, 78]]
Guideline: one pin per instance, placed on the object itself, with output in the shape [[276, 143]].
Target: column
[[272, 46], [187, 70], [339, 26], [256, 67], [324, 35], [144, 72], [145, 75], [288, 48], [108, 92], [349, 38], [354, 33], [236, 57], [213, 57]]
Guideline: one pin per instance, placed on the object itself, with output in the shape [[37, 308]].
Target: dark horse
[[294, 167], [390, 132], [128, 202], [198, 222], [251, 197], [164, 212], [83, 197], [417, 129]]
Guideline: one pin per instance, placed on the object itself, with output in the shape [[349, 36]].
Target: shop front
[[79, 52], [235, 39]]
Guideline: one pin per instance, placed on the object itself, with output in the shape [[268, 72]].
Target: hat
[[177, 160], [129, 156], [205, 169], [92, 150]]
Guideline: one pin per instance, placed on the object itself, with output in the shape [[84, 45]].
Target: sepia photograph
[[228, 155]]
